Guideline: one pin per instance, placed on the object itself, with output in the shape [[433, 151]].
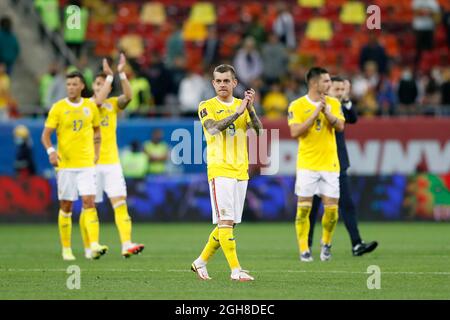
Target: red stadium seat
[[127, 13]]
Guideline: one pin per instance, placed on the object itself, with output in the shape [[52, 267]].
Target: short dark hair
[[76, 74], [314, 73], [225, 68], [100, 74], [5, 23], [337, 79]]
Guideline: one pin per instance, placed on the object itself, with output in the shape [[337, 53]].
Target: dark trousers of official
[[347, 211]]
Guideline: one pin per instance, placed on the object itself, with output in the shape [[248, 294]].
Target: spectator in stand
[[57, 89], [407, 92], [178, 73], [248, 62], [373, 51], [134, 162], [364, 89], [445, 87], [284, 26], [191, 91], [386, 97], [157, 152], [446, 22], [23, 164], [160, 79], [432, 92], [9, 46], [275, 59], [45, 83], [275, 103], [142, 101], [211, 47], [426, 14], [294, 88], [175, 46], [4, 93], [256, 30]]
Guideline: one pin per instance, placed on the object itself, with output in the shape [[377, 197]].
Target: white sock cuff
[[65, 214], [119, 203]]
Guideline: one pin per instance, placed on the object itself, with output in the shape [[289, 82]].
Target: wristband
[[50, 150], [123, 76], [109, 79]]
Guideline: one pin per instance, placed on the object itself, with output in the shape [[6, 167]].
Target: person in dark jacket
[[23, 164], [9, 46], [340, 89]]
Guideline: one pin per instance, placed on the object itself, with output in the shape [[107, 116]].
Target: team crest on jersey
[[203, 113], [86, 111], [107, 106]]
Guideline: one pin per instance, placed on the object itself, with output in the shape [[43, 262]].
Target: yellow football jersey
[[227, 154], [109, 153], [74, 131], [317, 148]]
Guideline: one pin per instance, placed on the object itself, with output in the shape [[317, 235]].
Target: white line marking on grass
[[256, 271]]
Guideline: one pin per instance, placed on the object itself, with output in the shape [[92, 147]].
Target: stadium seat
[[228, 13], [127, 13], [105, 46], [311, 3], [153, 13], [194, 31], [353, 12], [132, 45], [203, 13], [319, 29], [95, 30], [104, 14]]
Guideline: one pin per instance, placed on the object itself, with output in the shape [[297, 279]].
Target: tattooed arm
[[97, 142], [215, 127], [255, 122]]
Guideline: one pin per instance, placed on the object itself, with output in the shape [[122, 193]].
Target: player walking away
[[109, 175], [340, 89], [225, 121], [313, 119], [77, 124]]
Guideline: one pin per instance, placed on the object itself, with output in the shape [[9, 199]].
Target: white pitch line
[[261, 271]]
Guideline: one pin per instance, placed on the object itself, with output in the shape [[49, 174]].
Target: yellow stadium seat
[[311, 3], [353, 12], [319, 29], [132, 45], [194, 31], [203, 12], [153, 13]]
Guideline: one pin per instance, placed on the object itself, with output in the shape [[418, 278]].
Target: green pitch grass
[[414, 259]]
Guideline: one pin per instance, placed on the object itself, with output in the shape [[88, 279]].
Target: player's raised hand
[[240, 110], [106, 68], [122, 63], [347, 87], [250, 95]]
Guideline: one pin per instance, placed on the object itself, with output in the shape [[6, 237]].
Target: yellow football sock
[[123, 221], [329, 222], [92, 226], [84, 233], [211, 246], [228, 244], [302, 225], [65, 228]]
